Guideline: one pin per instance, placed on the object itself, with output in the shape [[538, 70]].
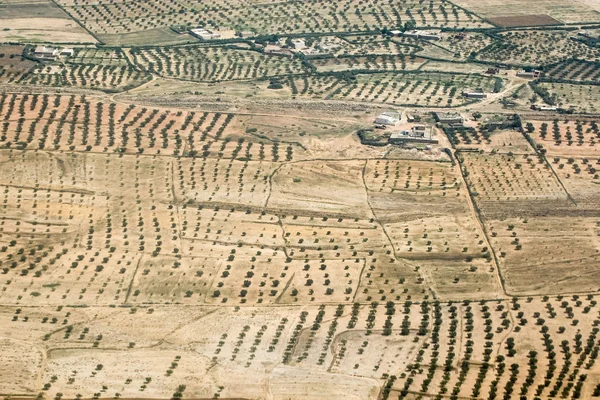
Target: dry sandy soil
[[39, 21], [531, 12]]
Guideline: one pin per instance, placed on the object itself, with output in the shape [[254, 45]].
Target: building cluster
[[300, 46], [407, 133], [205, 34], [416, 134], [46, 53]]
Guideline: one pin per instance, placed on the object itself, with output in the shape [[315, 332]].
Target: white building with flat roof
[[387, 119], [48, 53], [299, 44], [205, 34]]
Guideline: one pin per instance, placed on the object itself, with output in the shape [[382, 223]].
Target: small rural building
[[396, 33], [67, 52], [423, 35], [533, 74], [387, 119], [493, 71], [416, 135], [47, 53], [277, 50], [544, 108], [205, 34], [410, 118], [299, 44], [449, 117], [474, 95]]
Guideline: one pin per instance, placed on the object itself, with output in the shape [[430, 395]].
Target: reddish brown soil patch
[[523, 20]]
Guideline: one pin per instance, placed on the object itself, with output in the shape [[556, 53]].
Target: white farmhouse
[[299, 44], [46, 53], [387, 119]]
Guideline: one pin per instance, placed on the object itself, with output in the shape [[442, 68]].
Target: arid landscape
[[303, 199]]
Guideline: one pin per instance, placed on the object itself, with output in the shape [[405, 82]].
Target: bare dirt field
[[579, 11], [523, 20], [39, 21]]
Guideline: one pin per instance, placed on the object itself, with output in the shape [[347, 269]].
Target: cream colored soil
[[55, 30]]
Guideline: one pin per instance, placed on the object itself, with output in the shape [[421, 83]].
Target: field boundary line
[[92, 34], [375, 218], [137, 266], [543, 157], [477, 214]]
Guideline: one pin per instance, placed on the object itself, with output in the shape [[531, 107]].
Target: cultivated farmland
[[582, 98], [113, 19], [578, 71], [426, 89], [257, 199], [201, 63], [536, 48]]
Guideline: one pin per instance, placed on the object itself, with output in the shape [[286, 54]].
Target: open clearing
[[578, 11], [39, 21], [523, 20]]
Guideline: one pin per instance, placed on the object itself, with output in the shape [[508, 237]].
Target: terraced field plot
[[103, 77], [528, 13], [373, 63], [568, 137], [491, 140], [341, 46], [581, 179], [39, 21], [12, 65], [415, 89], [582, 98], [501, 183], [110, 57], [201, 63], [540, 242], [578, 71], [463, 46], [189, 219], [450, 250], [112, 18], [536, 48], [79, 124]]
